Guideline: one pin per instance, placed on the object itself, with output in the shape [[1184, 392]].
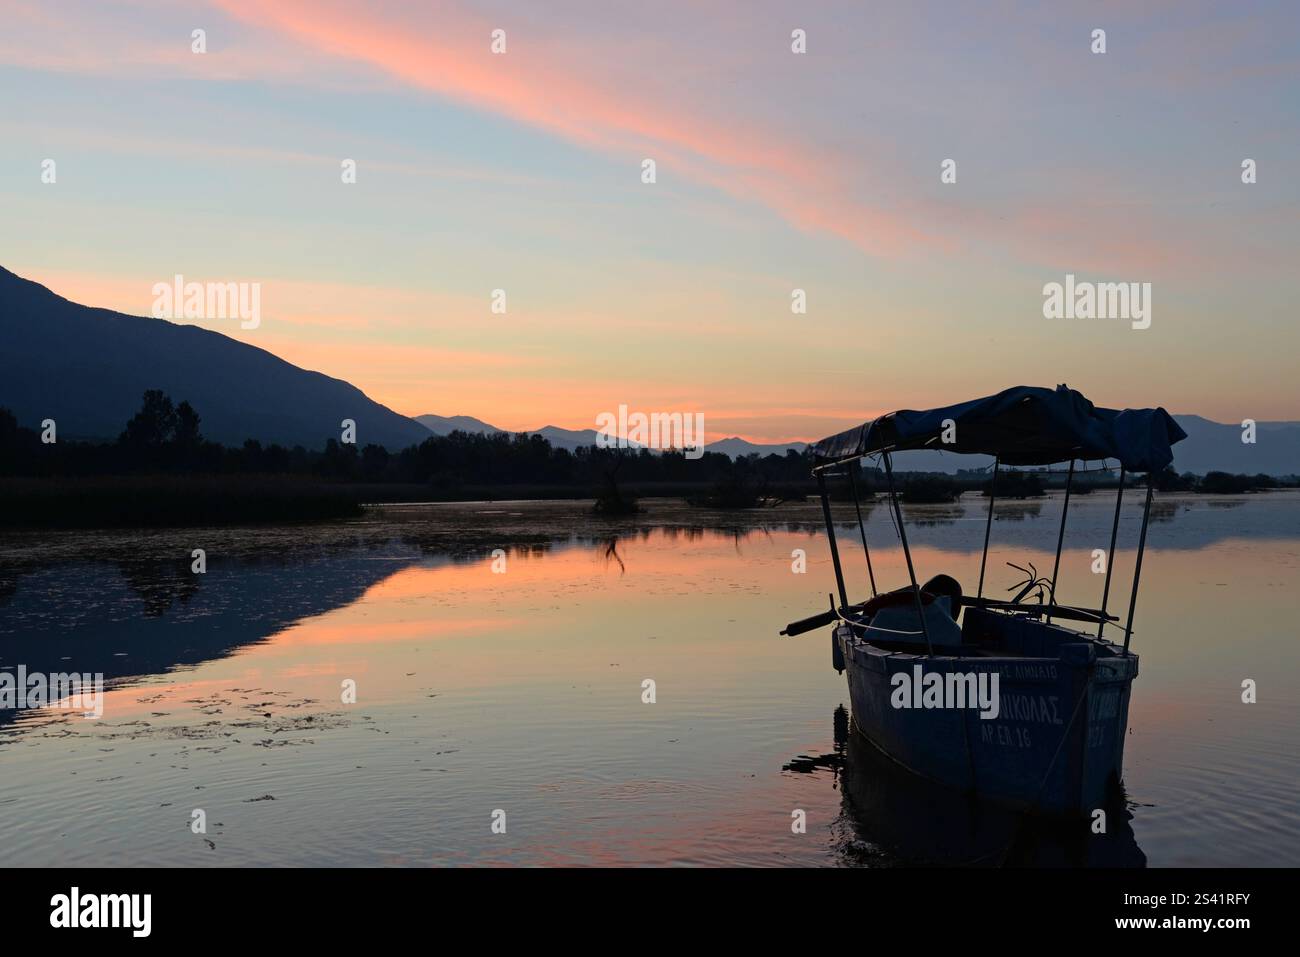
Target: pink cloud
[[538, 84]]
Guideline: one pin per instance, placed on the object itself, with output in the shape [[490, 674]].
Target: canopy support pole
[[988, 527], [830, 536], [907, 552], [1060, 537], [1110, 559], [1137, 570], [862, 529]]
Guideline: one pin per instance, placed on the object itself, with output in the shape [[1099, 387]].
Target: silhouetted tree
[[374, 462], [15, 443], [1168, 480], [8, 428], [338, 460], [154, 425], [187, 426], [1223, 483]]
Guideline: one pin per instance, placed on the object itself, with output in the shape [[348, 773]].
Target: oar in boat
[[870, 607], [1068, 612], [817, 621]]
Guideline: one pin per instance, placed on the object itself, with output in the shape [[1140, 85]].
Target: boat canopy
[[1024, 425]]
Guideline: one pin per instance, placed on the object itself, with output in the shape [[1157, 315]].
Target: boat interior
[[964, 627]]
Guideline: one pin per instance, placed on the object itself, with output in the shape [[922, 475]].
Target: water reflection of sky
[[522, 690]]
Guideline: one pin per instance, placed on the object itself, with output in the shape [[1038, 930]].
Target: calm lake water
[[521, 691]]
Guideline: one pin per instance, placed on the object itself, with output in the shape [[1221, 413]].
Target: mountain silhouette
[[445, 425], [1209, 446], [1215, 446], [87, 369], [581, 438]]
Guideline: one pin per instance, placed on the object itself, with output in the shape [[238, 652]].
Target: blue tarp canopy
[[1025, 425]]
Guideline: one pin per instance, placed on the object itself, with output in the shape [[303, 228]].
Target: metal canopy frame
[[819, 471]]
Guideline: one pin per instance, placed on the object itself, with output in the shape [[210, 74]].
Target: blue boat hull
[[1056, 746]]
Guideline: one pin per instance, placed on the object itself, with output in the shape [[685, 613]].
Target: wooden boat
[[997, 698], [892, 817]]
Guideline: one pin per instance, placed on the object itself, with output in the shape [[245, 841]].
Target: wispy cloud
[[446, 52]]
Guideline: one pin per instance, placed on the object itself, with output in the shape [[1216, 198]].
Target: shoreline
[[183, 501]]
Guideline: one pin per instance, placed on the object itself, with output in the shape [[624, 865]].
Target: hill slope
[[446, 424], [87, 368], [1214, 446]]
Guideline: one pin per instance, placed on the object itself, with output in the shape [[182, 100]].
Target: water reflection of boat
[[995, 698], [891, 817]]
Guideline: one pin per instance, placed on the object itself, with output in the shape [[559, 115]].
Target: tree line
[[163, 437]]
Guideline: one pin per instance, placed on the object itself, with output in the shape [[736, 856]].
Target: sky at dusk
[[775, 171]]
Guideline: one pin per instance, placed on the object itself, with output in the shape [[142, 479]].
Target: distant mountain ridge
[[582, 438], [87, 369], [1209, 446], [1216, 446], [445, 425], [735, 446]]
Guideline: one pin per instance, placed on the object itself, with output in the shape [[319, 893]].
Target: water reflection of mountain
[[142, 616], [127, 606], [890, 817], [126, 603], [1015, 511], [1186, 522], [931, 515], [1181, 522]]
